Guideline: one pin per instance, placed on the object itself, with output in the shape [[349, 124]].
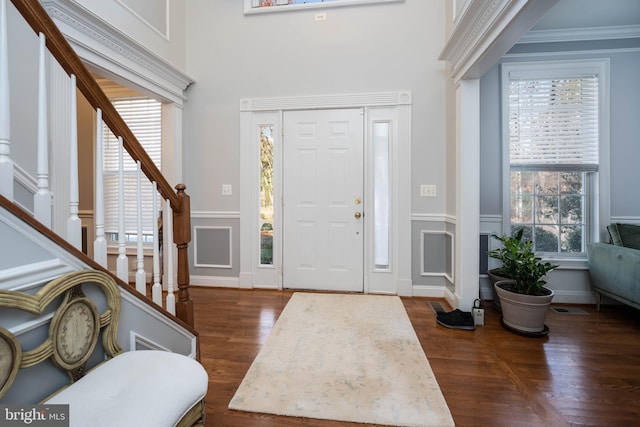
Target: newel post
[[182, 237]]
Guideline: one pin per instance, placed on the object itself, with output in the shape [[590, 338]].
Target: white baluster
[[156, 289], [100, 244], [168, 221], [6, 164], [141, 275], [74, 225], [42, 199], [122, 263]]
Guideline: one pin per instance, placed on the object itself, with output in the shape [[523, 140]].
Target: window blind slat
[[554, 121], [143, 116]]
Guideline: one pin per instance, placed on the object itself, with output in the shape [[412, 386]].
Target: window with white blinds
[[552, 132], [143, 116], [553, 122]]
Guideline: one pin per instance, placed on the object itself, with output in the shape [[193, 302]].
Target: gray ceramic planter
[[524, 313]]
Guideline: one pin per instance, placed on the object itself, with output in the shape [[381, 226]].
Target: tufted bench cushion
[[135, 388]]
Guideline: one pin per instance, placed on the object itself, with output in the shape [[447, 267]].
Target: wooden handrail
[[35, 15], [40, 21]]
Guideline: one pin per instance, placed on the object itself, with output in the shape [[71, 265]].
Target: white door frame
[[393, 107]]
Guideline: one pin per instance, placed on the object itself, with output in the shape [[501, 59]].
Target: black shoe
[[445, 314], [458, 320]]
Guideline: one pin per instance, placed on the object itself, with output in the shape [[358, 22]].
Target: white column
[[122, 263], [172, 142], [100, 244], [74, 225], [59, 132], [402, 210], [42, 200], [6, 164], [141, 275], [171, 158], [156, 289], [168, 231], [467, 240]]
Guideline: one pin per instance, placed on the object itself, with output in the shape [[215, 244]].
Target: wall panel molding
[[442, 218], [215, 214], [199, 235]]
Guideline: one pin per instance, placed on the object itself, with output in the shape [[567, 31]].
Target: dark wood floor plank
[[585, 372]]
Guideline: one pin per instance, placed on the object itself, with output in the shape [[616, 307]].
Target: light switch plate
[[227, 189], [428, 190]]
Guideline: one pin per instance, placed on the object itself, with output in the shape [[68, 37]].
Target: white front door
[[323, 200]]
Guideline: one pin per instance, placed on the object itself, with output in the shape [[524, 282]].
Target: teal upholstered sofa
[[614, 269]]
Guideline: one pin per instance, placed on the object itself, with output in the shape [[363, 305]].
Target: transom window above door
[[259, 6]]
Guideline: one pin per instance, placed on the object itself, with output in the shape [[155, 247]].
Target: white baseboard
[[429, 291], [570, 297], [215, 281]]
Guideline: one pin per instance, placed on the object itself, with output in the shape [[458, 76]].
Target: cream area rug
[[344, 357]]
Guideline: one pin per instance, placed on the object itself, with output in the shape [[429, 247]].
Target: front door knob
[[358, 215]]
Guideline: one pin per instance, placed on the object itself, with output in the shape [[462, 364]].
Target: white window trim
[[249, 9], [600, 202]]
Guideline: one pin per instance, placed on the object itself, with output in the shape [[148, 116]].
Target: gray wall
[[370, 48], [625, 124], [571, 285], [357, 49], [23, 78]]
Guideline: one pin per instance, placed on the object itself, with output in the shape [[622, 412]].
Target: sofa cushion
[[627, 235], [614, 235], [136, 388]]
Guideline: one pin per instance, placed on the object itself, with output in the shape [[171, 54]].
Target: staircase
[[32, 250]]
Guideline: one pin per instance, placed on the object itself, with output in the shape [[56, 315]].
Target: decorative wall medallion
[[75, 333], [10, 358]]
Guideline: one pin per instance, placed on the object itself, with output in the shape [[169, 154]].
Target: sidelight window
[[266, 195], [382, 194]]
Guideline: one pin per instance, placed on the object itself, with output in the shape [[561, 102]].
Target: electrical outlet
[[227, 189], [427, 190], [322, 16]]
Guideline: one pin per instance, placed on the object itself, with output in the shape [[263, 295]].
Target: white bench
[[136, 388]]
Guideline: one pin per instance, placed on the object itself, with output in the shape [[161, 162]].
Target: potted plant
[[506, 254], [524, 298]]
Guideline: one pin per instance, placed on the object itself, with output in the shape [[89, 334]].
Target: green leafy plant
[[521, 265]]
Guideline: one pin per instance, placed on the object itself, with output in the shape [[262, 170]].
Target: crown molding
[[105, 47], [356, 100], [582, 34], [486, 30]]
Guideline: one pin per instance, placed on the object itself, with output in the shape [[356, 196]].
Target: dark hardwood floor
[[585, 372]]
